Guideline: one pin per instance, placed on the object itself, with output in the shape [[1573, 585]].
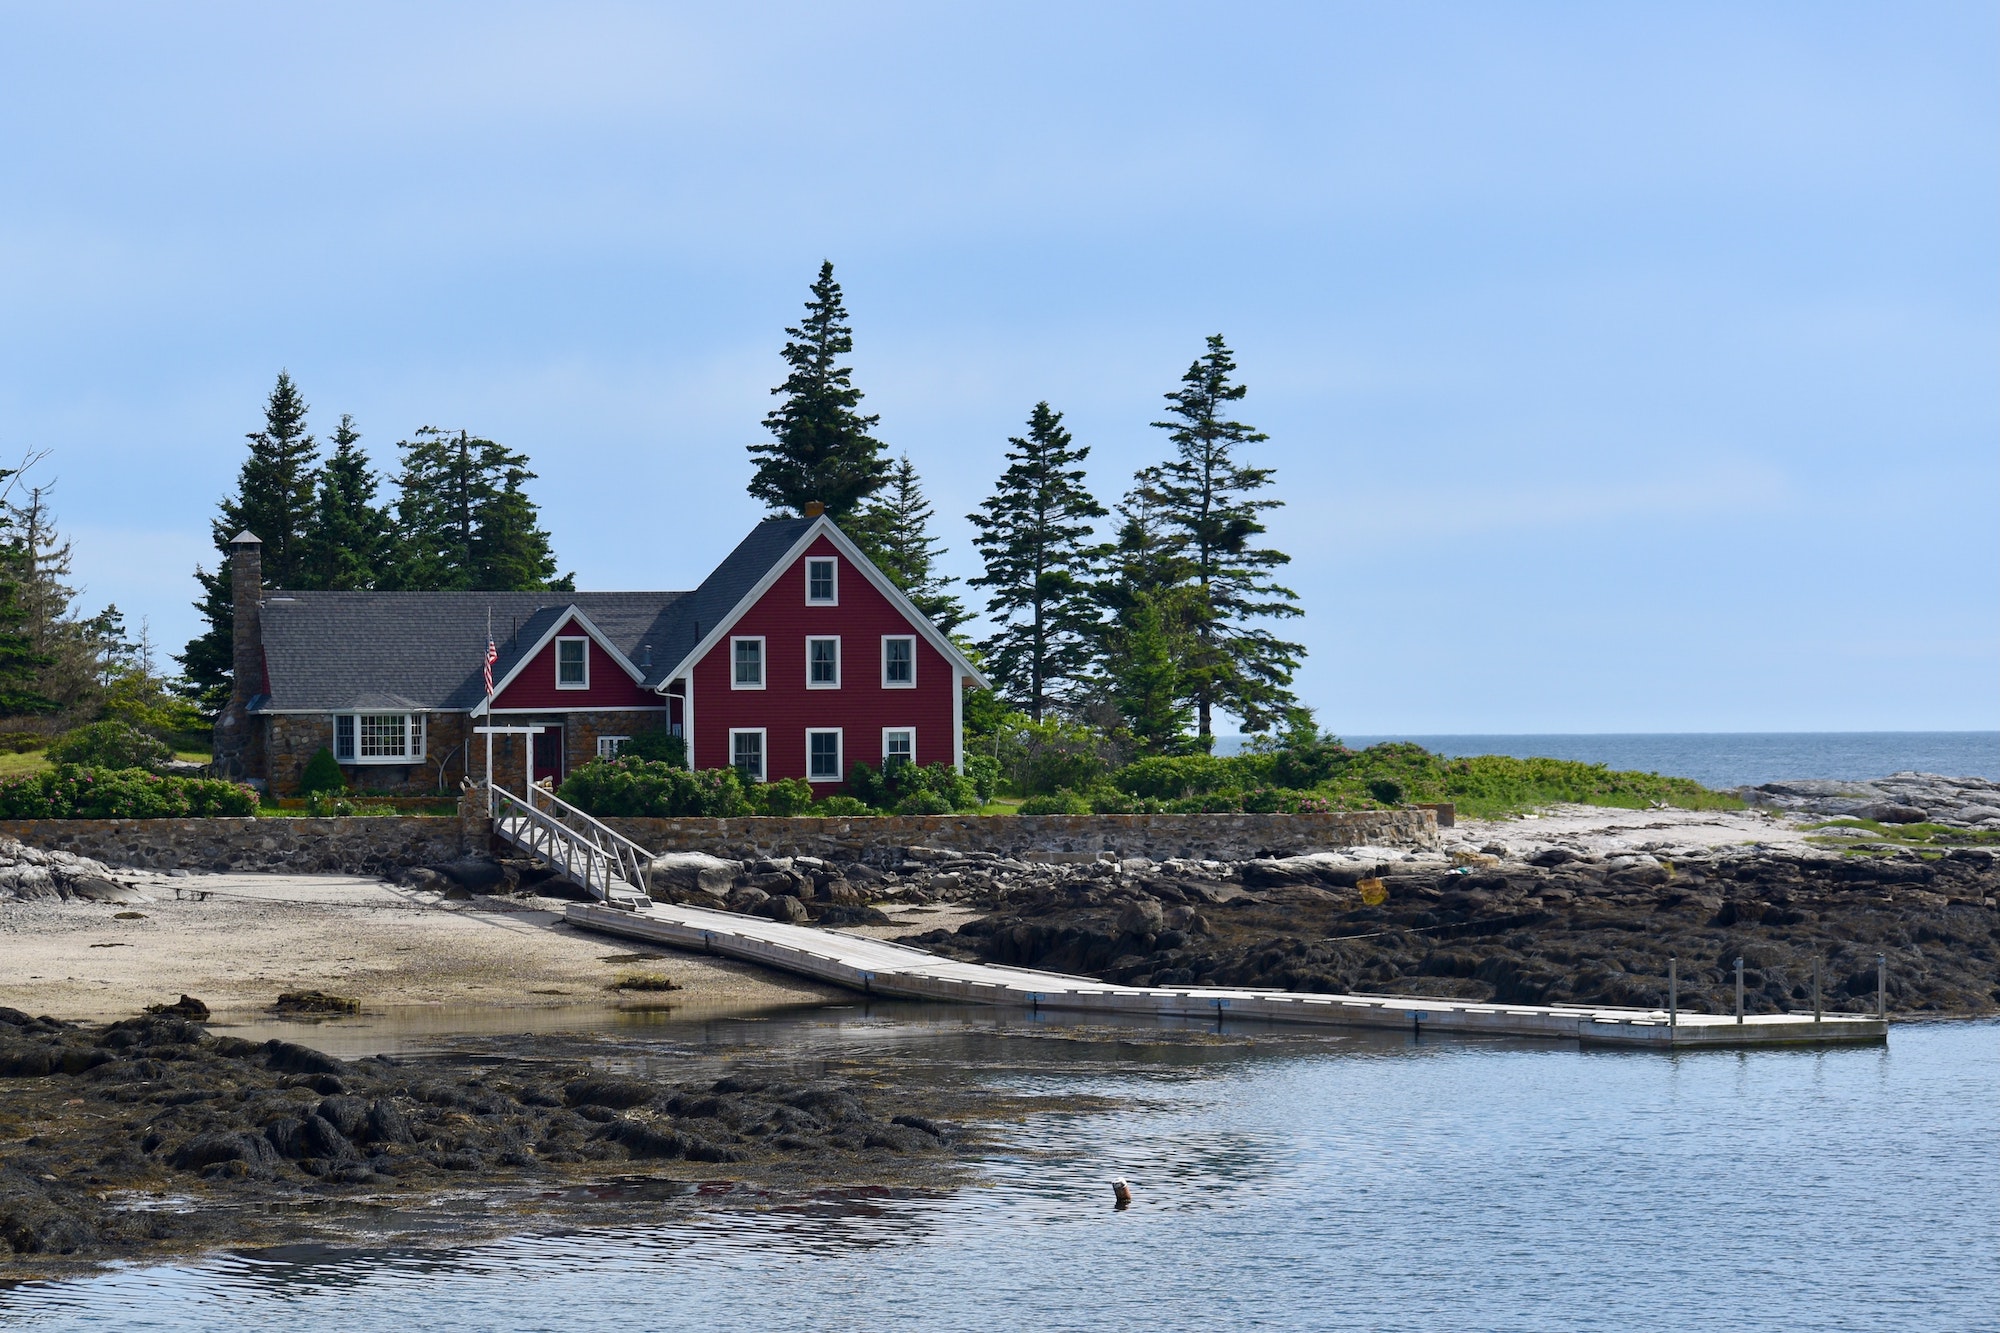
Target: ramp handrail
[[598, 858]]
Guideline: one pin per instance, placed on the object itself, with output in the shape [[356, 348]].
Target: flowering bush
[[70, 791]]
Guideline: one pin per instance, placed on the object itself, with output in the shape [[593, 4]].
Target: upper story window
[[572, 664], [899, 661], [822, 588], [746, 663], [823, 664], [378, 738]]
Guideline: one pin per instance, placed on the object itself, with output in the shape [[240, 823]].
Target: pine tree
[[1144, 652], [1203, 519], [275, 492], [820, 448], [1034, 535], [464, 521], [894, 529], [348, 539], [21, 662]]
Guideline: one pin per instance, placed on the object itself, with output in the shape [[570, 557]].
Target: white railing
[[578, 847]]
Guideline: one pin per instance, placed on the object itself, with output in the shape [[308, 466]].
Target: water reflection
[[1281, 1178]]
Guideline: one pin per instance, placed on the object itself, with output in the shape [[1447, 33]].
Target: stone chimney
[[235, 741]]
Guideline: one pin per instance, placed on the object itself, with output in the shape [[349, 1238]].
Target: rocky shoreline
[[150, 1135]]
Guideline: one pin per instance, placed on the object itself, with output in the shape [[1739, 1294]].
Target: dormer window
[[573, 664], [822, 589]]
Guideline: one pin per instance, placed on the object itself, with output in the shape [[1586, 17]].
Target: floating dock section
[[882, 967]]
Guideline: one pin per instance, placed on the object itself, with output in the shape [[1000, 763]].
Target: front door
[[548, 743]]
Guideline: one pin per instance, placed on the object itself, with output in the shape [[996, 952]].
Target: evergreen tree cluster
[[1147, 634], [461, 519]]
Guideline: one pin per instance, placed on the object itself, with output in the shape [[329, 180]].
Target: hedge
[[73, 792]]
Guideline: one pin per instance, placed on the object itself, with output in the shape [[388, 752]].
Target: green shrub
[[322, 775], [649, 788], [1063, 802], [656, 747], [843, 807], [1176, 777], [22, 742], [785, 797], [923, 803], [109, 745], [323, 804], [73, 792], [1111, 801], [983, 770], [1386, 790], [894, 788], [1051, 755]]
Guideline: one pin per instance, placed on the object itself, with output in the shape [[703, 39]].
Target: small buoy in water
[[1122, 1193]]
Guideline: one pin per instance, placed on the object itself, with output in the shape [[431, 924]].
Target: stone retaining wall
[[382, 845], [881, 840], [374, 845]]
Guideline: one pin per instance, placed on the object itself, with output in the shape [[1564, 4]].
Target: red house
[[795, 658]]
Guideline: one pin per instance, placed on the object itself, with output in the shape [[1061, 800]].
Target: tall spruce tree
[[894, 529], [464, 520], [22, 663], [275, 493], [820, 448], [1202, 519], [348, 540], [1034, 535]]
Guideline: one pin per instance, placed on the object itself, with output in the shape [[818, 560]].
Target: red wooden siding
[[610, 687], [785, 708]]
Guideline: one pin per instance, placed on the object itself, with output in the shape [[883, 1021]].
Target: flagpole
[[488, 667]]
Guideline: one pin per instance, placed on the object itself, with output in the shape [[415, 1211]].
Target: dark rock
[[607, 1090], [297, 1059], [349, 1115], [479, 874], [1888, 812], [221, 1147], [840, 914], [643, 1140], [185, 1007], [784, 907]]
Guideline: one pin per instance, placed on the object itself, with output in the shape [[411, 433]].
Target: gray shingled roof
[[333, 651]]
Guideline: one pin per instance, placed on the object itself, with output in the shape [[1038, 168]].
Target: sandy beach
[[237, 941]]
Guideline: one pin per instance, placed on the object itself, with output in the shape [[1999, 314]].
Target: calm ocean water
[[1734, 759], [1357, 1182]]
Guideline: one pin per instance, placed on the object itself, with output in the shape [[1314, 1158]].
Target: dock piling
[[1739, 990], [1673, 991], [1882, 986], [1817, 1005]]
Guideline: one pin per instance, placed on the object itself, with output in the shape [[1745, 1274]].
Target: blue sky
[[1627, 367]]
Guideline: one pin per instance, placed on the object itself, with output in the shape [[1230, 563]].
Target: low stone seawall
[[383, 845], [882, 839], [374, 845]]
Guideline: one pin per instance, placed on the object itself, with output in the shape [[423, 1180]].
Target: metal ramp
[[597, 859]]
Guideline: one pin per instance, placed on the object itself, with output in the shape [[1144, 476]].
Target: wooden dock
[[880, 967]]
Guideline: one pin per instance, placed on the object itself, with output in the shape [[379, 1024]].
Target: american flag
[[492, 656]]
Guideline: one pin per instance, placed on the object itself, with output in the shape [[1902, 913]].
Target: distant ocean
[[1736, 758]]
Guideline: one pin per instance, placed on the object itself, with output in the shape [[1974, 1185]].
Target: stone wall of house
[[372, 845], [291, 740], [883, 840]]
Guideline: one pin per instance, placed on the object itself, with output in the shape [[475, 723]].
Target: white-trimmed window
[[573, 663], [746, 752], [823, 755], [378, 738], [746, 663], [823, 662], [899, 746], [609, 746], [822, 581], [899, 661]]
